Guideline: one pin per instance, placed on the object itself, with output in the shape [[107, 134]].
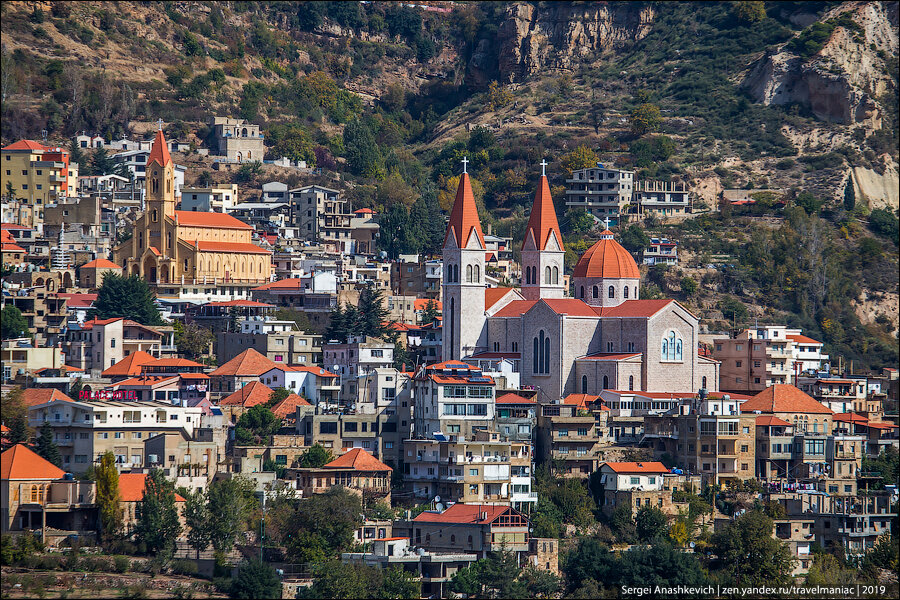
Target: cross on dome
[[606, 223], [465, 161], [544, 164]]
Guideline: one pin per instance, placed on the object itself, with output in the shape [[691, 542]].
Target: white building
[[219, 198], [661, 251], [601, 191], [452, 397], [308, 382]]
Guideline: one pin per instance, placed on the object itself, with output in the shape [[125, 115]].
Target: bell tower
[[160, 182], [542, 250]]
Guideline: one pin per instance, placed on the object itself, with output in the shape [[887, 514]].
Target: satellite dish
[[439, 507], [692, 544], [437, 498], [337, 367]]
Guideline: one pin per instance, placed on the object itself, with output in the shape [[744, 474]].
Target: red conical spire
[[464, 216], [543, 217], [159, 152]]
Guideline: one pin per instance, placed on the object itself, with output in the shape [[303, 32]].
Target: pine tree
[[157, 526], [337, 325], [126, 296], [849, 194], [46, 447], [431, 313], [198, 520], [18, 430], [108, 498], [373, 316]]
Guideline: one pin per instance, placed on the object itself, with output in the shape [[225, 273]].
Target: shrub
[[121, 564], [184, 567]]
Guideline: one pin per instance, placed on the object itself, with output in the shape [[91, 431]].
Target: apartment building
[[515, 417], [220, 198], [323, 216], [840, 394], [313, 383], [356, 470], [661, 198], [354, 361], [190, 463], [417, 278], [282, 342], [381, 434], [20, 358], [84, 431], [98, 344], [453, 398], [228, 315], [568, 439], [661, 251], [604, 192], [763, 356], [44, 310], [482, 469], [472, 528], [40, 175], [635, 484]]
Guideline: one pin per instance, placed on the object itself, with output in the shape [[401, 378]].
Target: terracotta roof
[[146, 380], [635, 308], [543, 218], [159, 152], [357, 460], [26, 145], [487, 355], [609, 356], [769, 420], [35, 396], [802, 339], [447, 365], [155, 250], [637, 467], [131, 487], [130, 365], [248, 363], [493, 295], [189, 218], [570, 306], [233, 247], [512, 398], [15, 226], [422, 303], [516, 308], [249, 395], [784, 398], [291, 283], [175, 362], [65, 368], [607, 259], [464, 216], [480, 514], [881, 425], [4, 428], [317, 371], [78, 300], [100, 263], [851, 418], [288, 406], [580, 400], [21, 462], [7, 247]]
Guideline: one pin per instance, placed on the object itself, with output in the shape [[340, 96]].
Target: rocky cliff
[[842, 83], [557, 36]]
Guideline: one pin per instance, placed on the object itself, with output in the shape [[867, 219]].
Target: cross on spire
[[159, 124], [544, 164], [606, 223], [465, 161]]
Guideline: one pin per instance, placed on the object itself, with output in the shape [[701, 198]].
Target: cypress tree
[[108, 498], [849, 194], [46, 447]]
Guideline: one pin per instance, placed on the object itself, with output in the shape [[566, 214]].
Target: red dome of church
[[607, 259]]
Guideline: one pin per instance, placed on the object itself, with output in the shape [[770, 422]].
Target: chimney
[[483, 515]]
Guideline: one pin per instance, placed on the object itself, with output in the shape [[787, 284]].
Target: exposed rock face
[[842, 82], [559, 35]]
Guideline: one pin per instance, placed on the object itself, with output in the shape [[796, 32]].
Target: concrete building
[[634, 484], [100, 343], [568, 439], [356, 470], [40, 175], [354, 361], [220, 198], [472, 528], [323, 216], [602, 191], [282, 342], [453, 398], [20, 358], [237, 140], [661, 198], [661, 251]]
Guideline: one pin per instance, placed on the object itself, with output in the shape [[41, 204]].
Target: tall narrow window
[[477, 270], [703, 382], [584, 384], [595, 292], [631, 382], [468, 273], [547, 355], [581, 293], [540, 356], [605, 382], [555, 275], [547, 275], [536, 356], [625, 292], [612, 292]]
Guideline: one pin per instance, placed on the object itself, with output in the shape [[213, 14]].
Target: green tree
[[750, 12], [581, 157], [109, 500], [373, 315], [101, 162], [645, 118], [12, 323], [634, 239], [430, 313], [198, 520], [808, 202], [829, 570], [315, 457], [688, 285], [849, 194], [322, 526], [498, 96], [883, 555], [15, 415], [650, 523], [885, 223], [396, 582], [256, 426], [46, 447], [192, 340], [126, 296], [18, 430], [496, 576], [293, 141], [336, 579], [363, 154], [157, 525], [231, 502], [751, 556], [256, 579]]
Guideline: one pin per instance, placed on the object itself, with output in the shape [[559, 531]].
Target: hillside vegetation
[[387, 98]]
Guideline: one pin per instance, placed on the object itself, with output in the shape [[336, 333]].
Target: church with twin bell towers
[[603, 338]]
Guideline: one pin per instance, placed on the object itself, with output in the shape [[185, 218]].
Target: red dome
[[607, 259]]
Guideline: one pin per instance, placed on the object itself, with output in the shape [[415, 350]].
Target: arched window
[[584, 384], [581, 293], [540, 353], [477, 273], [703, 382], [605, 382], [815, 426], [555, 275], [154, 216], [635, 292], [547, 275], [625, 292], [672, 347], [631, 382], [612, 292], [536, 355], [470, 540], [595, 292], [452, 539], [468, 273], [547, 355]]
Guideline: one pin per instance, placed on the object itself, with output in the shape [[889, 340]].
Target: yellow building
[[38, 175], [186, 254]]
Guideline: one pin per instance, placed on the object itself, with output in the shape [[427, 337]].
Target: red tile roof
[[422, 303], [249, 395], [516, 308], [248, 363], [850, 418], [35, 396], [607, 259], [14, 226], [802, 339], [570, 306], [78, 300], [493, 295], [291, 283], [232, 247], [159, 152], [637, 467], [610, 356], [129, 366], [769, 420], [464, 216], [131, 487], [26, 145], [146, 381], [881, 425], [357, 460], [512, 398], [21, 462], [542, 221], [580, 400], [175, 362], [100, 263], [784, 398], [635, 308], [478, 514], [189, 218], [288, 406]]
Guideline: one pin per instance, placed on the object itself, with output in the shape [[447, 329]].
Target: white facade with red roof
[[606, 338]]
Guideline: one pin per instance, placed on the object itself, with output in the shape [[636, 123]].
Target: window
[[671, 348], [584, 384], [612, 292], [631, 382], [541, 354], [635, 480], [473, 472], [595, 292], [625, 292]]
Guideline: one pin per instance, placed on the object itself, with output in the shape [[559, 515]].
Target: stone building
[[237, 140]]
